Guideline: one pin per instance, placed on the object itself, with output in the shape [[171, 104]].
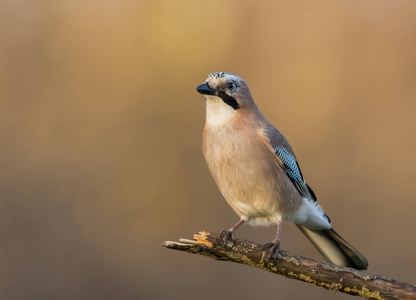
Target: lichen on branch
[[326, 275]]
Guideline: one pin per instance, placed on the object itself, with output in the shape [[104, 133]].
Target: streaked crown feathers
[[221, 75]]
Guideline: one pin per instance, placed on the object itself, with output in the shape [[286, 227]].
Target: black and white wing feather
[[293, 172]]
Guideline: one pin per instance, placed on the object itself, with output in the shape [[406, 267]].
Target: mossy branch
[[326, 275]]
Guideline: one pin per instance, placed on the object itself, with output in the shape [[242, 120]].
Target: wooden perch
[[326, 275]]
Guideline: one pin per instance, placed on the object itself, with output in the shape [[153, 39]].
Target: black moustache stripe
[[228, 99]]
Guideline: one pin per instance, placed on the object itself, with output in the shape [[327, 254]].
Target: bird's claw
[[227, 235], [275, 247]]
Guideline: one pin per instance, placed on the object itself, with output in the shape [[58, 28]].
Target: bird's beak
[[204, 89]]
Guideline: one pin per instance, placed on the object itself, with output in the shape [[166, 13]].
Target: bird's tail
[[335, 249]]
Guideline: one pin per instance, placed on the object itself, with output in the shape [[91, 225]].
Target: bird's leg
[[275, 245], [230, 234]]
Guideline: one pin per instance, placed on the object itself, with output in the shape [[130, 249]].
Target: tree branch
[[326, 275]]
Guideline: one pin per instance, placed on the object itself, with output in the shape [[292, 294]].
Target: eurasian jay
[[257, 172]]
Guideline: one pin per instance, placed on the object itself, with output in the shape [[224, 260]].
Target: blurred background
[[101, 139]]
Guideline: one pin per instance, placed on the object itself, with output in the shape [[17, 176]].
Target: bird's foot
[[274, 250], [227, 235]]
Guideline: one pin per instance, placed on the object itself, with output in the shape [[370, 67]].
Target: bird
[[257, 172]]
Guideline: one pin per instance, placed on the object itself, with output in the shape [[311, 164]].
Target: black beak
[[204, 89]]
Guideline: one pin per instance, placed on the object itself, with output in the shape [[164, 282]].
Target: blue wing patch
[[291, 166], [293, 171]]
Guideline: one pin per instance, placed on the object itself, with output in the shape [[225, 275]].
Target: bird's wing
[[284, 152], [293, 172]]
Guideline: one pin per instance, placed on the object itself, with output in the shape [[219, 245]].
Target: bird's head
[[231, 89], [228, 100]]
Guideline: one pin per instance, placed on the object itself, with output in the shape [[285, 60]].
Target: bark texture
[[326, 275]]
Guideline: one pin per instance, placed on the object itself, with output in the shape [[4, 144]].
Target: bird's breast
[[245, 171]]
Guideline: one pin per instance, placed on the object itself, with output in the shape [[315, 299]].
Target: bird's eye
[[231, 85]]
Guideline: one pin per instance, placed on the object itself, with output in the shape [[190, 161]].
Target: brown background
[[101, 134]]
